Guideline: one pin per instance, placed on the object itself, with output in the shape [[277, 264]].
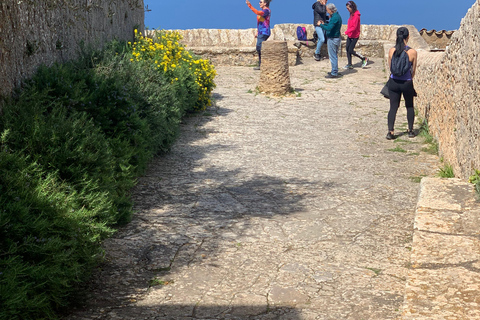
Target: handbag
[[384, 90]]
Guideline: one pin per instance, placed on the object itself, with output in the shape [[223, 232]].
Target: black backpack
[[400, 65]]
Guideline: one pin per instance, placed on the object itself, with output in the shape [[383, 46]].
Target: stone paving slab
[[443, 282], [292, 207]]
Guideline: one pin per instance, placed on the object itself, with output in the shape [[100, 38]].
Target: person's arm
[[257, 12], [331, 24], [390, 55], [413, 56]]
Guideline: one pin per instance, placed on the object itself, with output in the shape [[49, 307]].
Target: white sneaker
[[364, 62]]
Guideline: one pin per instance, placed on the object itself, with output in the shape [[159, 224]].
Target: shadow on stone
[[184, 214], [230, 311]]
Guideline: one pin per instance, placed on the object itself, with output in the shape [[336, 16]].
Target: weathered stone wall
[[237, 46], [35, 32], [449, 98]]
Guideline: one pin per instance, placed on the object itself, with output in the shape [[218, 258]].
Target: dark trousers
[[260, 39], [351, 43], [395, 89]]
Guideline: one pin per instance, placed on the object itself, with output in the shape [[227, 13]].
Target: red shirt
[[353, 25]]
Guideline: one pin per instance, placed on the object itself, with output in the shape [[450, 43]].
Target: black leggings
[[351, 43], [395, 89]]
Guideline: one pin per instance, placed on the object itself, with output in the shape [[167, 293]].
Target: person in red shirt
[[353, 32]]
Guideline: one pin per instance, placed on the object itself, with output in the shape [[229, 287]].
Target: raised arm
[[257, 12]]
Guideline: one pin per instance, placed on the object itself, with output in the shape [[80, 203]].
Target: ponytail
[[402, 34]]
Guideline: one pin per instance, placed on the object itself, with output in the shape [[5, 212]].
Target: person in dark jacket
[[319, 16], [332, 30]]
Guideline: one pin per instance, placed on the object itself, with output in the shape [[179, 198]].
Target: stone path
[[272, 208]]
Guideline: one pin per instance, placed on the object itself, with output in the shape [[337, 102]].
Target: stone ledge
[[445, 262], [239, 56], [247, 55]]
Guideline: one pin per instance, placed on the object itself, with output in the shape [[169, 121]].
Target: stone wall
[[237, 46], [448, 95], [36, 32]]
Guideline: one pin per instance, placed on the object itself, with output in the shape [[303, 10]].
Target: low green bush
[[475, 179], [73, 140], [49, 239]]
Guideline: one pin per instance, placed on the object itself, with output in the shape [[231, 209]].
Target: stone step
[[444, 278]]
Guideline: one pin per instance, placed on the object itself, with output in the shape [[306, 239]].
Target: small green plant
[[375, 270], [296, 93], [446, 171], [428, 139], [417, 179], [398, 149], [475, 179], [159, 282]]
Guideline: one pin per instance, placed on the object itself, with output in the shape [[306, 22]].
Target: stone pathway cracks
[[272, 208]]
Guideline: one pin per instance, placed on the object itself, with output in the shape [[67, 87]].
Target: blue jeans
[[333, 48], [321, 39], [260, 39]]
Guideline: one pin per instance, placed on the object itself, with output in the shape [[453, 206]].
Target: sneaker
[[390, 136], [317, 57], [331, 76], [364, 62], [348, 66], [411, 134], [256, 68]]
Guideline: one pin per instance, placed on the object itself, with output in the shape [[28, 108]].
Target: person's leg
[[408, 96], [321, 39], [395, 93], [334, 52], [260, 39], [349, 50], [331, 53], [352, 49]]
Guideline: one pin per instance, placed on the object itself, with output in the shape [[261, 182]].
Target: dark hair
[[267, 2], [402, 34], [352, 5]]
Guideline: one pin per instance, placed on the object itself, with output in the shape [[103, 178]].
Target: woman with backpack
[[402, 61], [263, 26], [353, 33]]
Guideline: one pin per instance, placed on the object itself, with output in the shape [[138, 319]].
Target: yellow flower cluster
[[167, 54]]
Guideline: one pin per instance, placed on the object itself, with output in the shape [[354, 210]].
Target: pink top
[[353, 25]]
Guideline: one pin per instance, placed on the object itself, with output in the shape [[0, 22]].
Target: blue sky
[[234, 14]]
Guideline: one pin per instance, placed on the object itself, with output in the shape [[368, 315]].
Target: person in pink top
[[353, 33]]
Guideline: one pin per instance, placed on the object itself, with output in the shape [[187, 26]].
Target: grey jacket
[[319, 13]]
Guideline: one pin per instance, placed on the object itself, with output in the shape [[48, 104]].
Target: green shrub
[[49, 240], [73, 140]]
